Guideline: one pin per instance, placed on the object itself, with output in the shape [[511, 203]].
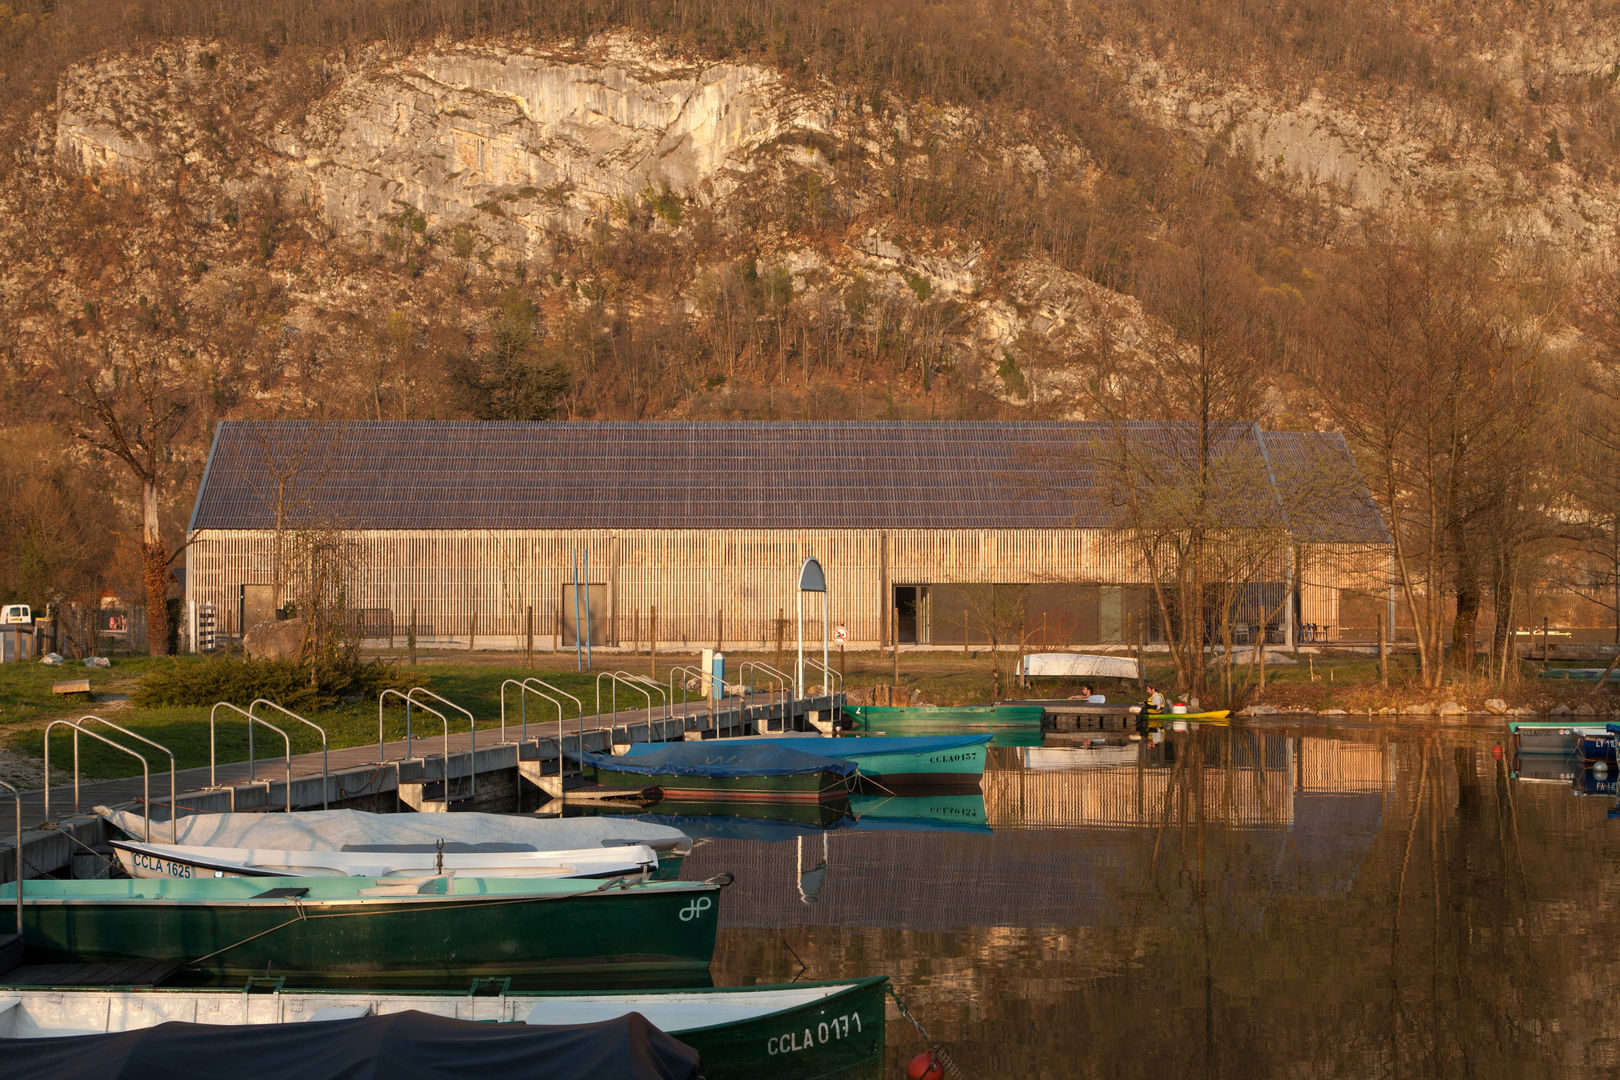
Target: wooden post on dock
[[1383, 652], [528, 637]]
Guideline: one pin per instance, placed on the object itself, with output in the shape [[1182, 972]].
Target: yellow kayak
[[1161, 717]]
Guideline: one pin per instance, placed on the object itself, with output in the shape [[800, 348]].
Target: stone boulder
[[1451, 708], [275, 639], [1496, 706], [1417, 710], [1559, 710]]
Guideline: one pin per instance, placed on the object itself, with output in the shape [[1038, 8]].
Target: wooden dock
[[506, 771]]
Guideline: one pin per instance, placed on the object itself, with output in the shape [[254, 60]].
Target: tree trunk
[[154, 573]]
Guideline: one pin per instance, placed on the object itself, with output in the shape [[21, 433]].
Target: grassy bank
[[1316, 683]]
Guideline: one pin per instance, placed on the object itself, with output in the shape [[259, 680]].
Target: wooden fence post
[[410, 637], [472, 633], [528, 638], [652, 642], [556, 634]]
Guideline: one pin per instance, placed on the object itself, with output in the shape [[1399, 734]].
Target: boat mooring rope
[[942, 1055], [73, 839]]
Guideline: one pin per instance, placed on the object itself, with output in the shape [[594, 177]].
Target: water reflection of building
[[1073, 847], [1240, 779]]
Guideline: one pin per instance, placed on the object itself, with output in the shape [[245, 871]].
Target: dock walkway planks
[[363, 757]]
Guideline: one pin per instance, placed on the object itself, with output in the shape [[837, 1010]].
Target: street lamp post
[[811, 579]]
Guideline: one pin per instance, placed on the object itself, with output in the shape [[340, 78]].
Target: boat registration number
[[161, 867], [792, 1042]]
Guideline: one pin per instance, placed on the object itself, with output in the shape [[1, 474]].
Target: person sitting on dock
[[1153, 704], [1084, 694]]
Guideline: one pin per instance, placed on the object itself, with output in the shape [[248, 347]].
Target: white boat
[[141, 860], [357, 830]]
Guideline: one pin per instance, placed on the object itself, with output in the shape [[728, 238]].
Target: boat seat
[[290, 892]]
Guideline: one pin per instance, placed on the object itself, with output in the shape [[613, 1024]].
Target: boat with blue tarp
[[887, 761], [724, 770]]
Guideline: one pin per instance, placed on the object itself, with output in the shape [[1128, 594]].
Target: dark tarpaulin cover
[[712, 758], [398, 1046]]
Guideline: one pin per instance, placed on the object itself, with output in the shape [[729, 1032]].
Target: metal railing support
[[783, 680], [634, 682], [472, 740], [382, 758], [146, 772], [325, 773], [578, 705], [156, 745]]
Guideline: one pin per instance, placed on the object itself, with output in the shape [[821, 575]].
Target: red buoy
[[925, 1066], [1496, 751]]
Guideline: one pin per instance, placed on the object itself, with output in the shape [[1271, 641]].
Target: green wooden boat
[[1009, 725], [799, 1031], [435, 931]]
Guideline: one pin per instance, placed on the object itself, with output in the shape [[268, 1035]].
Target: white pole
[[798, 686], [826, 671]]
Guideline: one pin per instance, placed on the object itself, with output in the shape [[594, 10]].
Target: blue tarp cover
[[852, 746], [717, 757]]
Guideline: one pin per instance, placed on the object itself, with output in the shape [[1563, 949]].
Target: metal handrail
[[811, 661], [157, 745], [16, 855], [784, 683], [524, 705], [472, 741], [146, 772], [682, 670], [580, 715], [325, 773], [382, 758], [625, 678], [642, 680]]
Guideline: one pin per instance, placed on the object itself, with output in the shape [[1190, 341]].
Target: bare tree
[[134, 402]]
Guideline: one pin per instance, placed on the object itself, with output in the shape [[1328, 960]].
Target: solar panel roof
[[743, 475]]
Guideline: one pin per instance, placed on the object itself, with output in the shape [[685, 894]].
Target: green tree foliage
[[513, 377]]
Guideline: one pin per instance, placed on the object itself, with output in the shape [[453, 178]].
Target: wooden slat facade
[[709, 586]]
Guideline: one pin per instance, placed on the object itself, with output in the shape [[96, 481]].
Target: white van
[[16, 615]]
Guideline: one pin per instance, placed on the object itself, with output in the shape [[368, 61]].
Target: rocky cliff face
[[487, 158]]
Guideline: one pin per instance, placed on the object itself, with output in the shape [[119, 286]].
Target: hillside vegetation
[[1394, 220]]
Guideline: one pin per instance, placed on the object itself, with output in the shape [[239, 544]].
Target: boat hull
[[225, 929], [819, 786], [1544, 737], [801, 1031]]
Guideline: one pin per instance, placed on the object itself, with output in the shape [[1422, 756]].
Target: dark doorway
[[906, 606], [596, 624]]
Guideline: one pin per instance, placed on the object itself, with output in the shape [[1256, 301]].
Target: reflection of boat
[[1547, 768], [1080, 757], [724, 770], [385, 931], [745, 1032], [1010, 725], [888, 761], [1597, 780], [1548, 736], [919, 812], [403, 1044], [468, 860]]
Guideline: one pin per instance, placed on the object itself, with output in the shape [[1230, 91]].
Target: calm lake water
[[1240, 902]]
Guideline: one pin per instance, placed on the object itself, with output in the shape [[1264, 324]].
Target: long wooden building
[[695, 532]]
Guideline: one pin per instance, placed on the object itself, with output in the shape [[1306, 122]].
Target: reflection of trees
[[1469, 939]]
